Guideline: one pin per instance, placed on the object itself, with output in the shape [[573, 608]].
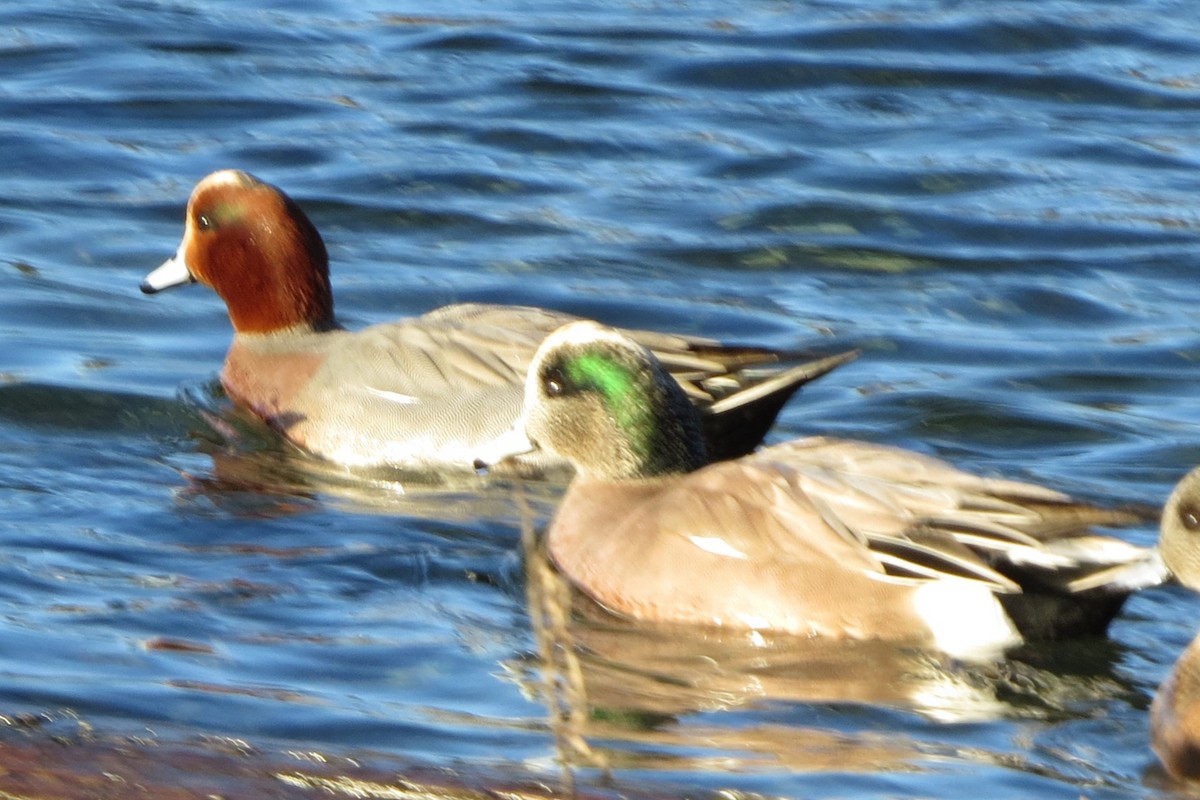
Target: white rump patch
[[717, 546], [395, 397], [965, 618]]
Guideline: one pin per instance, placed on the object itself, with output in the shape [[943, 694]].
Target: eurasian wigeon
[[424, 392], [1175, 713], [814, 537]]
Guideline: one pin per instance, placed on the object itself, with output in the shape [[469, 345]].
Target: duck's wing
[[912, 508], [881, 521], [728, 544], [753, 512], [469, 353], [456, 350], [739, 389], [756, 515], [493, 344], [739, 406]]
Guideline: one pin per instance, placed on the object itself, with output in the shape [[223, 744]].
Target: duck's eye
[[203, 222], [1189, 515], [554, 381]]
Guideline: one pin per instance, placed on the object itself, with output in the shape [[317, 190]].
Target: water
[[996, 201]]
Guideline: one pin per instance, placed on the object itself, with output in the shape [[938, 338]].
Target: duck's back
[[730, 544], [427, 390]]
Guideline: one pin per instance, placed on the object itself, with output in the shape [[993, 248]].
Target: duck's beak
[[510, 444], [173, 272]]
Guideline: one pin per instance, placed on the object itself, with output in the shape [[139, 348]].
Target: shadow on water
[[80, 410]]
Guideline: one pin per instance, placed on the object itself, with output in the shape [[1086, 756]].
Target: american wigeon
[[422, 392], [814, 537], [1175, 713]]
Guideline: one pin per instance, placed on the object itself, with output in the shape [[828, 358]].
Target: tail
[[1085, 605], [736, 423]]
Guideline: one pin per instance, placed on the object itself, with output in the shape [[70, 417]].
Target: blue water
[[995, 201]]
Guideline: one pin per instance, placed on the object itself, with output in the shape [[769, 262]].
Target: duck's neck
[[675, 450], [272, 301], [669, 441], [271, 321], [289, 285]]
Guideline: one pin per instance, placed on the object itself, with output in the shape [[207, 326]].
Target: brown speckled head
[[1175, 717], [1179, 538], [1175, 713]]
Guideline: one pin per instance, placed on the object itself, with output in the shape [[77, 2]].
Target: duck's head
[[1179, 537], [256, 248], [603, 402]]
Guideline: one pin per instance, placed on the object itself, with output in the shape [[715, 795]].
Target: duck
[[1175, 710], [420, 393], [812, 537]]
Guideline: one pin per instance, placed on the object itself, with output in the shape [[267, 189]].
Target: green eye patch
[[619, 386], [612, 379]]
